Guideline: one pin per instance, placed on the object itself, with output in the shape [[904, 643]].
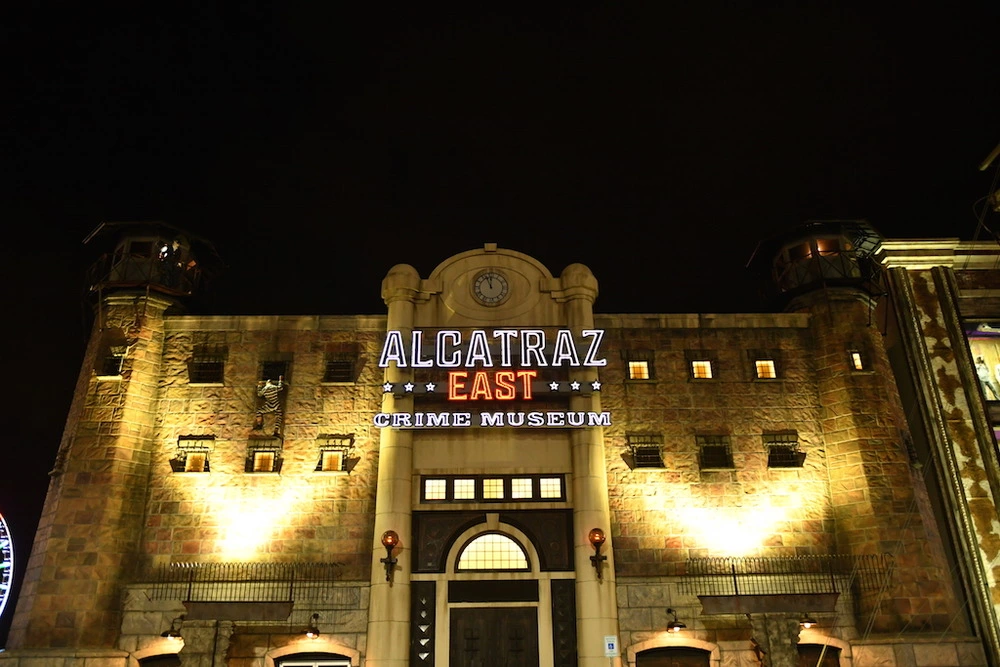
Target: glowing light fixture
[[674, 625], [312, 632], [597, 539], [174, 633], [390, 540], [807, 621]]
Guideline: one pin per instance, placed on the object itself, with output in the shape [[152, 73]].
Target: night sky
[[317, 148]]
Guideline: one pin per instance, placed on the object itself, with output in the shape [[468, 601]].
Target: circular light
[[390, 539], [596, 537]]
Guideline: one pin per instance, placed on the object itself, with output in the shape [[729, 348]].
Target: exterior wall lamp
[[597, 539], [174, 633], [390, 540], [674, 625], [312, 632], [807, 621]]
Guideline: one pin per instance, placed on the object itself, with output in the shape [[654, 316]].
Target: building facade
[[494, 473]]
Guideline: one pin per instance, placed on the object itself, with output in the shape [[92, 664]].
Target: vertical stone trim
[[423, 624], [936, 368], [94, 513], [564, 623]]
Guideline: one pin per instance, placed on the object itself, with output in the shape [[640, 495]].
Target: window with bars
[[783, 450], [333, 452], [342, 363], [493, 488], [264, 456], [646, 449], [207, 364], [639, 364], [492, 552], [274, 369], [714, 451], [192, 454]]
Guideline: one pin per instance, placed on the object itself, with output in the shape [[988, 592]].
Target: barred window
[[639, 364], [264, 455], [646, 449], [342, 363], [714, 451], [492, 551], [192, 453], [274, 369], [207, 364], [334, 451], [783, 450]]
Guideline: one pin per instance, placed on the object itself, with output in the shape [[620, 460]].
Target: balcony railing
[[244, 582]]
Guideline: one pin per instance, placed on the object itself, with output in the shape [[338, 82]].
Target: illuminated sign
[[498, 365]]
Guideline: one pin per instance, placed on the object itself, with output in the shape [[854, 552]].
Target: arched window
[[673, 657], [812, 654], [163, 660], [492, 552]]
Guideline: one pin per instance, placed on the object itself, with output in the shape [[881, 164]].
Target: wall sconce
[[807, 621], [390, 540], [312, 632], [174, 633], [674, 625], [597, 539]]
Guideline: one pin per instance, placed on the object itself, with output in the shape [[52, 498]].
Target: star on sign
[[596, 384], [387, 387], [574, 385], [429, 386], [554, 386], [408, 386]]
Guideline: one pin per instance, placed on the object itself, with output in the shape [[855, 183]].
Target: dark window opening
[[646, 450], [714, 451], [783, 450]]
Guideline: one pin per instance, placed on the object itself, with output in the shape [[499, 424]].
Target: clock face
[[491, 287], [6, 563]]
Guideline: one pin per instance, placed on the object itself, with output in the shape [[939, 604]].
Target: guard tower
[[91, 522]]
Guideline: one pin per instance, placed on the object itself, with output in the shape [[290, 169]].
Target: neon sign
[[501, 365]]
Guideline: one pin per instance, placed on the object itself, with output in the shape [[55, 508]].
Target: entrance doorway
[[494, 637], [673, 657]]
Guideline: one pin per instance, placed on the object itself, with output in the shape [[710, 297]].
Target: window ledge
[[206, 384]]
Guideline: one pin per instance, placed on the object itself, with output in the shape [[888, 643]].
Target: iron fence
[[786, 575], [243, 582]]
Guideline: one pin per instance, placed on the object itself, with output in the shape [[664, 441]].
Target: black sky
[[318, 147]]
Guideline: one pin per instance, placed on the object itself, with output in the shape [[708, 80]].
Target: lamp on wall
[[597, 539], [390, 540], [674, 625], [807, 621], [174, 633], [312, 632]]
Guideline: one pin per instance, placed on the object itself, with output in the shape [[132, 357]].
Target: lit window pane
[[435, 489], [492, 489], [701, 370], [520, 488], [263, 461], [492, 552], [550, 487], [765, 369], [638, 370], [856, 361], [332, 460], [465, 489], [195, 462]]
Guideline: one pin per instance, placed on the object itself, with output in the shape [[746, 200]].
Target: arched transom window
[[492, 551]]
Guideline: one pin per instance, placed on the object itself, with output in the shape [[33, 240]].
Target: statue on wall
[[269, 402]]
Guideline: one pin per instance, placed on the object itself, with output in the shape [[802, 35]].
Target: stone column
[[389, 611], [92, 520], [596, 598], [778, 635]]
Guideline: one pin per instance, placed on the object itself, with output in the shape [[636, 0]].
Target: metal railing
[[243, 582], [785, 575]]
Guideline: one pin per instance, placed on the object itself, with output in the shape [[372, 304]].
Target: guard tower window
[[714, 451], [783, 450], [264, 456], [639, 364], [192, 453], [646, 449], [111, 354], [207, 364], [111, 366], [856, 359]]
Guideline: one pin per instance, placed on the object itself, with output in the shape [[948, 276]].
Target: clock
[[491, 287]]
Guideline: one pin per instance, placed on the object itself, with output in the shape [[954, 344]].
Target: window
[[207, 364], [714, 452], [192, 453], [783, 450], [765, 370], [341, 363], [492, 551], [274, 369], [856, 360], [334, 453], [701, 369], [111, 354], [264, 455], [111, 366], [645, 450], [639, 364], [493, 488]]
